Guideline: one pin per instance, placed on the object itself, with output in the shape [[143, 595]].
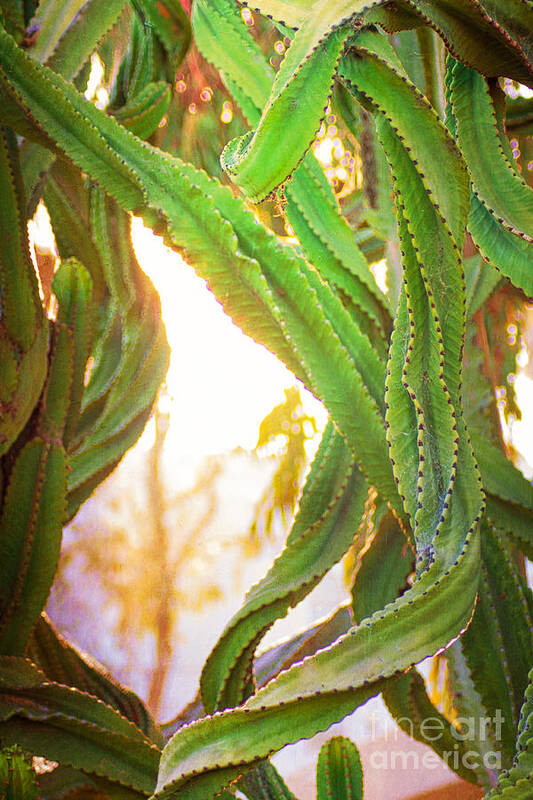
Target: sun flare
[[220, 383]]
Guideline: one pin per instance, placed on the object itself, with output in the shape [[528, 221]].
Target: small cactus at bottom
[[339, 773], [17, 778]]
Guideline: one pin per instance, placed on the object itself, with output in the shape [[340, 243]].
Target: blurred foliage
[[283, 433], [173, 541]]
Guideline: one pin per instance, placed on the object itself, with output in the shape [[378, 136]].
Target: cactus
[[339, 775], [17, 777]]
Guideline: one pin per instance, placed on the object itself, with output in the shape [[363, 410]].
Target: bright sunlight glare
[[40, 229], [95, 77], [221, 383], [522, 429], [379, 271]]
